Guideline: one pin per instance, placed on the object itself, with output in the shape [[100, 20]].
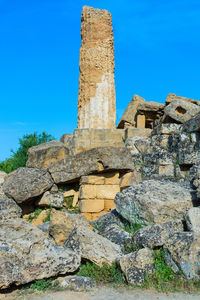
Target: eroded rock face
[[193, 219], [9, 209], [141, 203], [184, 248], [42, 155], [136, 265], [24, 184], [96, 101], [156, 235], [62, 224], [26, 254], [88, 162], [93, 246], [51, 199]]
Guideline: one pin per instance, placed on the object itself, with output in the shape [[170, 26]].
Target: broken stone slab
[[180, 111], [141, 203], [27, 254], [128, 118], [137, 265], [192, 218], [51, 199], [150, 106], [117, 235], [130, 178], [184, 248], [42, 155], [167, 129], [93, 246], [77, 283], [171, 97], [153, 236], [9, 209], [138, 144], [62, 224], [96, 160], [25, 184]]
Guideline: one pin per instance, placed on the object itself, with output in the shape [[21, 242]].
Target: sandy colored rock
[[2, 176], [91, 205], [42, 155], [27, 254], [96, 100], [109, 204], [62, 224], [130, 178], [107, 191], [93, 246], [172, 97], [129, 117], [24, 184], [9, 209]]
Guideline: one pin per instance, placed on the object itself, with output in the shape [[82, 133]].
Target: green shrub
[[35, 215], [19, 158], [105, 274], [132, 228], [42, 285]]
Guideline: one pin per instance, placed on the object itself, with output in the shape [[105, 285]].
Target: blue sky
[[157, 48]]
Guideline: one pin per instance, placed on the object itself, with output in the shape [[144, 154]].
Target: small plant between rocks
[[104, 274]]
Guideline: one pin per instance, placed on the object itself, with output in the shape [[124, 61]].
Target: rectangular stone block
[[91, 205], [141, 121], [112, 178], [109, 204], [94, 216], [88, 191], [92, 179], [107, 191], [129, 132]]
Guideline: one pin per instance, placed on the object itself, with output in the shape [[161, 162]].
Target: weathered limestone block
[[167, 129], [88, 191], [51, 199], [193, 219], [9, 209], [96, 101], [89, 162], [141, 202], [42, 155], [180, 111], [130, 178], [137, 265], [76, 283], [63, 223], [24, 184], [192, 125], [172, 97], [2, 176], [101, 179], [27, 254], [109, 204], [91, 205], [129, 117], [93, 246]]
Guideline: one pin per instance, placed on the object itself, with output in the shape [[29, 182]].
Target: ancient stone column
[[96, 99]]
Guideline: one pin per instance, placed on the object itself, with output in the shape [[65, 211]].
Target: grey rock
[[184, 248], [141, 203], [93, 246], [24, 184], [117, 235], [9, 209], [77, 283], [167, 129], [91, 161], [156, 235], [44, 227], [193, 219], [192, 125], [180, 111], [42, 155], [136, 265], [51, 199], [2, 176], [27, 254]]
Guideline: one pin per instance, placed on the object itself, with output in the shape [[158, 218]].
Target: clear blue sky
[[157, 48]]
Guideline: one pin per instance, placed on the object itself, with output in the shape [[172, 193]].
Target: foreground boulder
[[193, 219], [9, 209], [156, 235], [91, 161], [153, 201], [63, 223], [24, 184], [26, 254], [93, 246], [42, 155], [77, 283], [184, 248], [136, 265]]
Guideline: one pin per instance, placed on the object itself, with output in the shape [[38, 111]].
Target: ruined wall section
[[96, 100]]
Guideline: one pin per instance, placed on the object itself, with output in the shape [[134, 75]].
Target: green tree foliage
[[19, 158]]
